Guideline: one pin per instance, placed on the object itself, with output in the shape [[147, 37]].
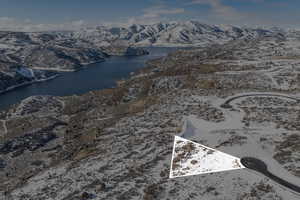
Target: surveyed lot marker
[[190, 158]]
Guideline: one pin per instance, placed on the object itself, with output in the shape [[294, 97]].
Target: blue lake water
[[94, 77]]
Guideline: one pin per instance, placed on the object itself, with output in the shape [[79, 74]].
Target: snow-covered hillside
[[28, 57], [190, 33]]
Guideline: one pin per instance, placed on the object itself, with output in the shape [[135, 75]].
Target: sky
[[37, 15]]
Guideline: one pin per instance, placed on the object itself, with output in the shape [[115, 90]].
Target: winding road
[[233, 120], [261, 167], [254, 163], [226, 104]]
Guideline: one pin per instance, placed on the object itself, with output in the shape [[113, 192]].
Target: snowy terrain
[[191, 159], [240, 98], [189, 33]]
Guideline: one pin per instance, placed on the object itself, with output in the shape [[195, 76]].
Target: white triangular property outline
[[190, 158]]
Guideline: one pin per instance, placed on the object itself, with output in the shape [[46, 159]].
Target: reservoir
[[93, 77]]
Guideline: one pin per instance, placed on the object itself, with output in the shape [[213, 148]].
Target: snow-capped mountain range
[[190, 33]]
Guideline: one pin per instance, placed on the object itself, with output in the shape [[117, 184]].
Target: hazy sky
[[72, 14]]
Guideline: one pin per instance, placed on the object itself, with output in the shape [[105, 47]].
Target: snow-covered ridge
[[190, 33]]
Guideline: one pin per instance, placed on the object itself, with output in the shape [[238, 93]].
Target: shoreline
[[28, 83], [84, 65]]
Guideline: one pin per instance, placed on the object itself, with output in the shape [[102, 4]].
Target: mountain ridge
[[189, 33]]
